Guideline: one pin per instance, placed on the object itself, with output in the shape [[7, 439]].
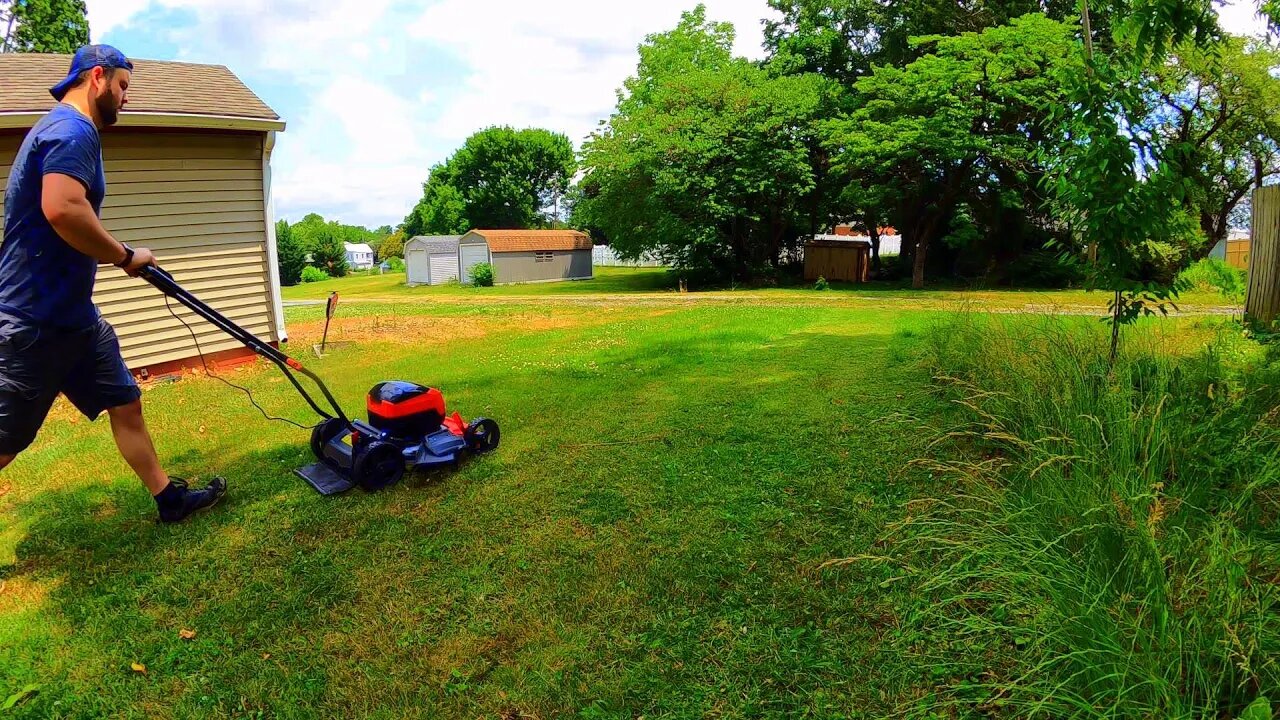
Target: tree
[[706, 161], [939, 143], [499, 178], [442, 209], [330, 254], [307, 231], [1220, 106], [289, 254], [392, 246], [43, 26]]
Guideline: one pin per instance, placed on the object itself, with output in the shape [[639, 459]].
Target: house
[[188, 170], [359, 256], [431, 259], [521, 256]]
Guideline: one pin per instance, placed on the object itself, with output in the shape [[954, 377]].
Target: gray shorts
[[37, 363]]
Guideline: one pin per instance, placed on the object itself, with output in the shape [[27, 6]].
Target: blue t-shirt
[[43, 280]]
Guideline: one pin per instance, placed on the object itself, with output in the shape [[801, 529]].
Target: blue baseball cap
[[87, 58]]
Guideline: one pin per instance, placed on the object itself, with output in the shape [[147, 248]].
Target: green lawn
[[646, 542], [648, 284]]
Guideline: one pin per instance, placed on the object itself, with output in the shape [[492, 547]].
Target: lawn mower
[[407, 425]]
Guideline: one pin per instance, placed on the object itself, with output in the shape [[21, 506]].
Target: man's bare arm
[[66, 207]]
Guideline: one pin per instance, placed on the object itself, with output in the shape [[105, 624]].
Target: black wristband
[[128, 257]]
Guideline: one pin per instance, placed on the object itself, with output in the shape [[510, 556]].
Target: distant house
[[359, 256], [521, 256]]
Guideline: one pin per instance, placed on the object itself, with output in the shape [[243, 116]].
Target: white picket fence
[[604, 256]]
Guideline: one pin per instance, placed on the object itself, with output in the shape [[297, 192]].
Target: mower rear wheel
[[482, 436], [323, 433], [378, 465]]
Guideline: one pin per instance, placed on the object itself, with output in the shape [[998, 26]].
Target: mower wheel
[[323, 433], [378, 465], [482, 436]]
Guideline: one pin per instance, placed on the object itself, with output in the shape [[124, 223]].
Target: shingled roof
[[533, 240], [168, 88], [434, 243]]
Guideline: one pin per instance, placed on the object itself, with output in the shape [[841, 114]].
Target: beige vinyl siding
[[196, 199]]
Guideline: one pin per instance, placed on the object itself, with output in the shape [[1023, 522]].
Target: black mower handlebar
[[164, 282]]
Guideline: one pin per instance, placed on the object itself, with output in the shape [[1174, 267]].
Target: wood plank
[[142, 188], [116, 179], [152, 235], [176, 223], [119, 202], [166, 210]]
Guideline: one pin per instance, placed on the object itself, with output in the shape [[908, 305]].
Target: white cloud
[[556, 64], [1241, 17]]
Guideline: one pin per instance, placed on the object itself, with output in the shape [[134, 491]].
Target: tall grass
[[1212, 274], [1111, 549]]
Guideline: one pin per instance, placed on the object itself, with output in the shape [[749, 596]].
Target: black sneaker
[[192, 501]]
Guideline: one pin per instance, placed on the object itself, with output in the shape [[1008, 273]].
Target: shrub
[[821, 284], [1045, 269], [1110, 547], [395, 264], [289, 253], [313, 274], [482, 275], [1212, 274], [330, 254]]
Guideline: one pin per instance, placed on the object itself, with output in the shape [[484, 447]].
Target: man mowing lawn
[[52, 338]]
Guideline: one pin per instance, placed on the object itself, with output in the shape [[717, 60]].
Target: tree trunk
[[873, 231], [917, 266]]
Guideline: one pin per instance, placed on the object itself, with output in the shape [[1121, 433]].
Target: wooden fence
[[1263, 300]]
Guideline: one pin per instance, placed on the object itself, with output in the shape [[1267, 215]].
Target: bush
[[1044, 269], [482, 275], [821, 284], [395, 264], [313, 274], [330, 254], [1111, 548], [1212, 274]]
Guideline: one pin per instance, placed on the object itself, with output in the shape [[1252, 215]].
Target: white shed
[[431, 259]]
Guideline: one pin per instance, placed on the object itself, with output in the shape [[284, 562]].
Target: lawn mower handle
[[165, 283]]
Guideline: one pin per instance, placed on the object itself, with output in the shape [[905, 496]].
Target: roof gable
[[158, 87]]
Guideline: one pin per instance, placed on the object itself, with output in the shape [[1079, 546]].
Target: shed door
[[444, 267], [472, 255], [417, 267]]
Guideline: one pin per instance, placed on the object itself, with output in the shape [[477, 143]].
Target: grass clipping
[[1111, 547]]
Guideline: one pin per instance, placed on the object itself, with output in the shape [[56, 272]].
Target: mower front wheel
[[323, 433], [482, 436], [378, 465]]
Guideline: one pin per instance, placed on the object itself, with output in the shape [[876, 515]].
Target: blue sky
[[376, 91]]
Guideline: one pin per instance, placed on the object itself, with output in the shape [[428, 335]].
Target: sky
[[375, 92]]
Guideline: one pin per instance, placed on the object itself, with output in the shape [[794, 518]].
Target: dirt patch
[[416, 329]]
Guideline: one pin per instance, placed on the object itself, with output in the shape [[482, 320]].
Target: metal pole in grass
[[329, 307]]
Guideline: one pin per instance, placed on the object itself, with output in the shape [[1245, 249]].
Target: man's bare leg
[[130, 431]]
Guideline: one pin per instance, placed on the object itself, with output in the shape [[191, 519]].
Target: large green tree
[[945, 146], [43, 26], [706, 161], [499, 178], [1219, 107]]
